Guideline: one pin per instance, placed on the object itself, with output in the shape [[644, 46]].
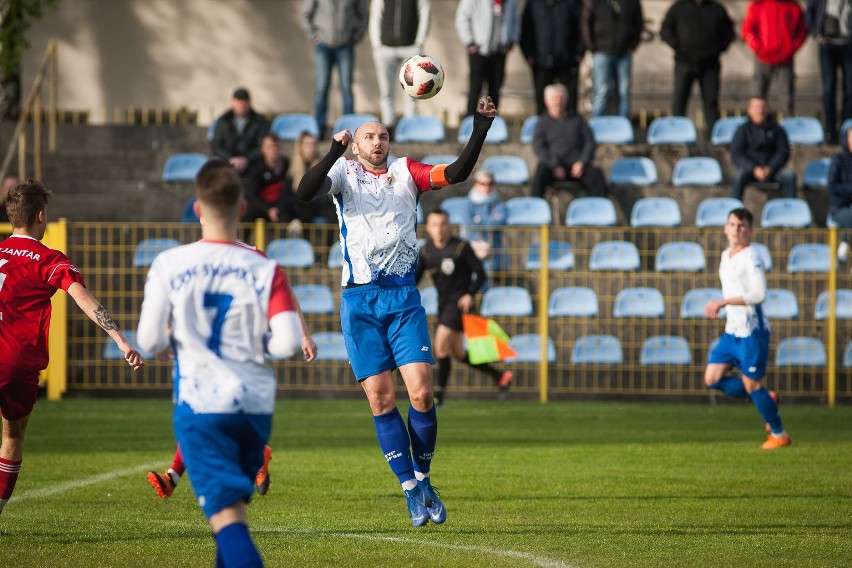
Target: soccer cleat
[[162, 484], [774, 442], [416, 501], [505, 380], [437, 511], [777, 398], [262, 479]]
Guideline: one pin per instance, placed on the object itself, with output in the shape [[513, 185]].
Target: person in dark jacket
[[239, 132], [267, 188], [840, 192], [830, 23], [759, 150], [698, 31], [551, 43], [565, 147]]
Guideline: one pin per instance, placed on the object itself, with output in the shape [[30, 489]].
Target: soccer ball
[[421, 77]]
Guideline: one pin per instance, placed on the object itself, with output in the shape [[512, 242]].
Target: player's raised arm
[[316, 181], [459, 170]]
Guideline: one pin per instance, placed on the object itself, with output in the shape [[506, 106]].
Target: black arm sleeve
[[460, 169], [316, 177], [418, 272], [477, 269]]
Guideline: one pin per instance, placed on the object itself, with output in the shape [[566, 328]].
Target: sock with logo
[[768, 410], [423, 431], [732, 386], [9, 470], [394, 441], [234, 548]]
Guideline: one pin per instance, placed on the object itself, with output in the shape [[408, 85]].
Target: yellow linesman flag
[[486, 341]]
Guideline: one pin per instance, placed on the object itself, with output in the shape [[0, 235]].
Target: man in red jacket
[[775, 30]]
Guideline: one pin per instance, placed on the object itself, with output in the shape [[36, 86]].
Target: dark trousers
[[544, 76], [832, 58], [707, 75], [763, 73], [592, 180], [786, 179], [485, 69]]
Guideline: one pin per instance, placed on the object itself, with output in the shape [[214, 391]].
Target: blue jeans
[[605, 69], [326, 57], [786, 179], [832, 57]]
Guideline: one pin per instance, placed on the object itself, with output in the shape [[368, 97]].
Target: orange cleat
[[774, 442], [505, 380], [777, 398], [262, 479], [162, 484]]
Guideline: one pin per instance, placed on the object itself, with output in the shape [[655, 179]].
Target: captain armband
[[437, 176]]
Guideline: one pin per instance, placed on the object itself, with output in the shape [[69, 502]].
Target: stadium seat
[[497, 134], [803, 130], [590, 212], [611, 129], [809, 258], [291, 253], [639, 303], [420, 217], [528, 129], [351, 122], [574, 301], [330, 346], [725, 128], [188, 215], [597, 349], [509, 170], [780, 303], [429, 300], [528, 211], [637, 170], [665, 350], [800, 352], [847, 353], [764, 254], [560, 256], [702, 171], [680, 257], [655, 212], [714, 211], [438, 159], [112, 352], [785, 212], [314, 298], [506, 301], [335, 257], [614, 255], [183, 167], [458, 208], [844, 126], [695, 301], [842, 305], [148, 249], [528, 346], [816, 173], [672, 130], [419, 128], [291, 125]]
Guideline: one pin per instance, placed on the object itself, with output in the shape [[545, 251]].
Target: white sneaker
[[843, 251]]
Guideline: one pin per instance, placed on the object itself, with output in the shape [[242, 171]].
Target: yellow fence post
[[831, 383], [56, 374], [260, 234], [543, 295]]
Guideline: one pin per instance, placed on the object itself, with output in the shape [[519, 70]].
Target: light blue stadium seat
[[420, 217], [291, 125], [702, 171], [497, 134], [695, 301], [725, 128], [335, 257], [112, 352], [314, 298], [351, 122], [847, 353], [330, 346], [211, 130], [611, 129], [510, 170], [809, 258], [714, 211], [844, 126], [528, 129], [560, 256], [183, 167], [816, 173], [291, 253], [458, 208], [528, 347], [680, 257], [438, 159], [787, 212], [591, 212], [528, 211], [188, 215], [665, 350], [672, 130], [148, 249], [637, 170], [764, 254], [614, 255], [780, 303], [803, 130], [655, 212], [429, 300], [419, 128], [597, 349], [573, 301], [506, 301], [639, 303], [842, 305], [800, 352]]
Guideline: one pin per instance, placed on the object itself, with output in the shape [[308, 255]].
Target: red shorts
[[18, 391]]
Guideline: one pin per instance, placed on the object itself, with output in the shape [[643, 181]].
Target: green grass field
[[564, 484]]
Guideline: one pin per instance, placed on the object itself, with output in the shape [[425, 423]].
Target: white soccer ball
[[421, 77]]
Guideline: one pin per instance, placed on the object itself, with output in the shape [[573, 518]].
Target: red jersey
[[30, 273]]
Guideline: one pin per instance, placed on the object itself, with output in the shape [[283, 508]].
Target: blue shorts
[[222, 453], [384, 327], [748, 354]]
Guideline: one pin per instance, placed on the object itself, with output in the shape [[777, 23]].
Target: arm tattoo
[[104, 319]]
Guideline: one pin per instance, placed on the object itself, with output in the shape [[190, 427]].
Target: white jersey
[[218, 298], [742, 275]]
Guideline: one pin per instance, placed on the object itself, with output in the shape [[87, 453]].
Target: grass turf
[[564, 484]]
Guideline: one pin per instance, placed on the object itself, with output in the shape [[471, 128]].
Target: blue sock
[[768, 409], [732, 386], [393, 439], [423, 431], [235, 549]]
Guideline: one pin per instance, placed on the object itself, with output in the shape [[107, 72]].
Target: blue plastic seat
[[655, 212], [787, 212], [611, 129], [560, 256], [842, 305], [800, 352], [506, 301], [112, 352], [291, 125], [528, 347], [314, 298], [844, 126], [351, 122], [816, 173], [528, 211], [639, 303], [672, 130], [438, 159], [680, 257], [573, 301], [847, 353], [809, 258], [714, 211], [597, 349], [780, 303], [763, 252], [510, 170], [419, 128], [725, 128], [420, 217], [528, 129], [614, 255], [591, 212], [429, 300], [330, 346], [458, 208], [497, 134], [803, 130], [335, 256], [665, 350], [701, 171], [148, 249], [637, 170], [183, 167], [291, 253], [188, 215], [695, 302]]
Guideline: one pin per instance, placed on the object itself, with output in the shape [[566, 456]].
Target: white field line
[[78, 483]]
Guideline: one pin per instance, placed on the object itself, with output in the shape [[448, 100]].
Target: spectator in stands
[[397, 32], [775, 30], [485, 211], [239, 132], [551, 42], [335, 27], [830, 23], [759, 150], [840, 192], [269, 192], [489, 29], [8, 183], [305, 155], [611, 30], [565, 146], [698, 31]]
